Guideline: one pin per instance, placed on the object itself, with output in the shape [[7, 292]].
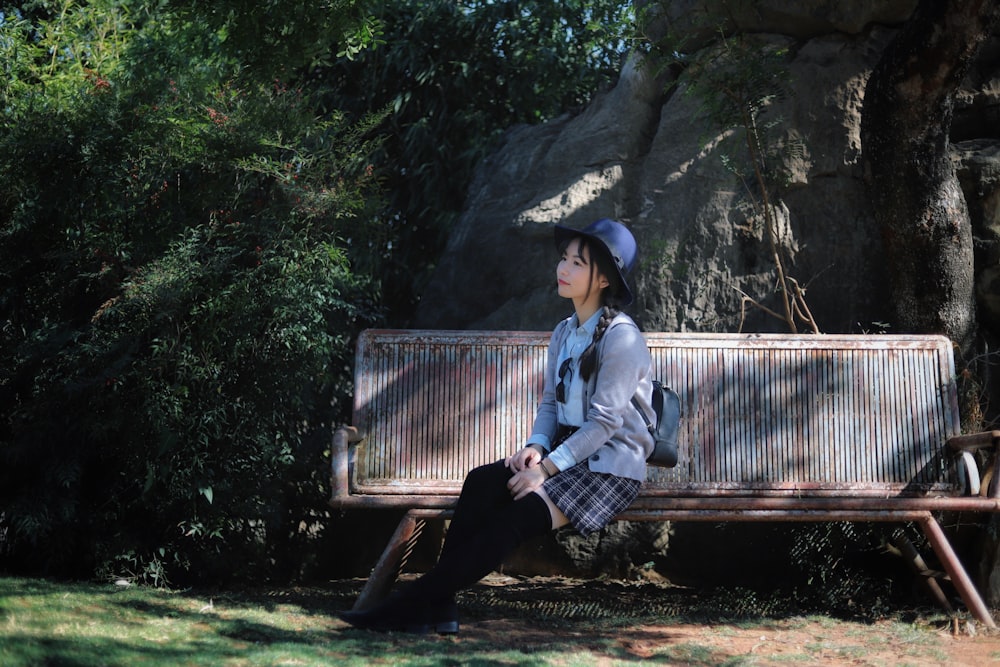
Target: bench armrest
[[340, 462], [973, 441], [965, 445]]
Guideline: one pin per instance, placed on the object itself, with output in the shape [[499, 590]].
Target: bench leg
[[391, 563], [919, 568], [966, 589]]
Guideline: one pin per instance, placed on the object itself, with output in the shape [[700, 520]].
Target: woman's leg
[[484, 491], [486, 514], [558, 518], [484, 548], [470, 555]]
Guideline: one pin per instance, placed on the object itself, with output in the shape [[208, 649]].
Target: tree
[[917, 200]]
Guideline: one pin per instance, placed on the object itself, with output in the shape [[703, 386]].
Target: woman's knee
[[491, 473], [485, 486]]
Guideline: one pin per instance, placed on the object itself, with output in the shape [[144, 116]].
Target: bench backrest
[[762, 414]]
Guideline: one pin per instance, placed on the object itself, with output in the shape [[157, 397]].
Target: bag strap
[[649, 424], [635, 403]]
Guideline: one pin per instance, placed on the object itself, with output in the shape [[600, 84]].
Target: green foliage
[[178, 297], [452, 77], [192, 232], [272, 38]]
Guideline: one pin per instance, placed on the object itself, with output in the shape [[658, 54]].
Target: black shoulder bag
[[667, 406]]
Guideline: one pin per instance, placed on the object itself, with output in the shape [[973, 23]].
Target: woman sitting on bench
[[586, 457]]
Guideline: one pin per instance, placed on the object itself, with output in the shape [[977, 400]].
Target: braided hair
[[600, 262], [588, 358]]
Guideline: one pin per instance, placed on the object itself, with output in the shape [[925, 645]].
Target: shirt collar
[[590, 325]]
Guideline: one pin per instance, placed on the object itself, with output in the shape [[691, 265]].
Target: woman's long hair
[[600, 263]]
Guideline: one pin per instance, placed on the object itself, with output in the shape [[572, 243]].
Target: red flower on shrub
[[217, 117], [101, 85]]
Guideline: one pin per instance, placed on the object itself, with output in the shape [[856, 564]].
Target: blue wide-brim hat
[[616, 239]]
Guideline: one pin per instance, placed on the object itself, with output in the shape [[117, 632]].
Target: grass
[[82, 624]]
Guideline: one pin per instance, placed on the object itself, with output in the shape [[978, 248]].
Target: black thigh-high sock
[[482, 549], [483, 493]]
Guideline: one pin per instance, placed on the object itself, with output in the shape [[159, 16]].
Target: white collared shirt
[[572, 412]]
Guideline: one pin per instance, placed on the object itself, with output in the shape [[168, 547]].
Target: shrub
[[178, 300]]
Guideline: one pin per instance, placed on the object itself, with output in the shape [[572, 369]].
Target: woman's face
[[576, 277]]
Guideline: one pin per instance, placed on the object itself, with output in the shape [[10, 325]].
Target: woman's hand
[[526, 481], [529, 457]]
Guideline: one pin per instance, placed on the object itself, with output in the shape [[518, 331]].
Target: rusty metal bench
[[774, 428]]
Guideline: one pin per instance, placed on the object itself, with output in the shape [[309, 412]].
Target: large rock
[[643, 156], [695, 23]]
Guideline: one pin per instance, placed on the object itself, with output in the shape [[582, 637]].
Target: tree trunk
[[910, 177]]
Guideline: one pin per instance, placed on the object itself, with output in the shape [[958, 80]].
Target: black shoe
[[396, 616], [444, 617], [376, 621]]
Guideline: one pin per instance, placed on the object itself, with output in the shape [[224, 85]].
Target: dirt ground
[[796, 642], [673, 625]]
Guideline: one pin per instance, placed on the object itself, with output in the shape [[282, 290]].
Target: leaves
[[177, 296], [193, 231]]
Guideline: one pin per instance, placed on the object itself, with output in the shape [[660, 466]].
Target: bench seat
[[774, 427]]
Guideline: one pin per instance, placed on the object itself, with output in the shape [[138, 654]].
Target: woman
[[586, 457]]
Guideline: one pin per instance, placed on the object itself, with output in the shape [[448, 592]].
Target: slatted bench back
[[762, 415]]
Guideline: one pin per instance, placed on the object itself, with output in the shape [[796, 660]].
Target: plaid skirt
[[590, 500]]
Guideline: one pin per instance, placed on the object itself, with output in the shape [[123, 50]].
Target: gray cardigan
[[613, 438]]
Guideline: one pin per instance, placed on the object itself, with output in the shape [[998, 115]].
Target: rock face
[[644, 154]]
